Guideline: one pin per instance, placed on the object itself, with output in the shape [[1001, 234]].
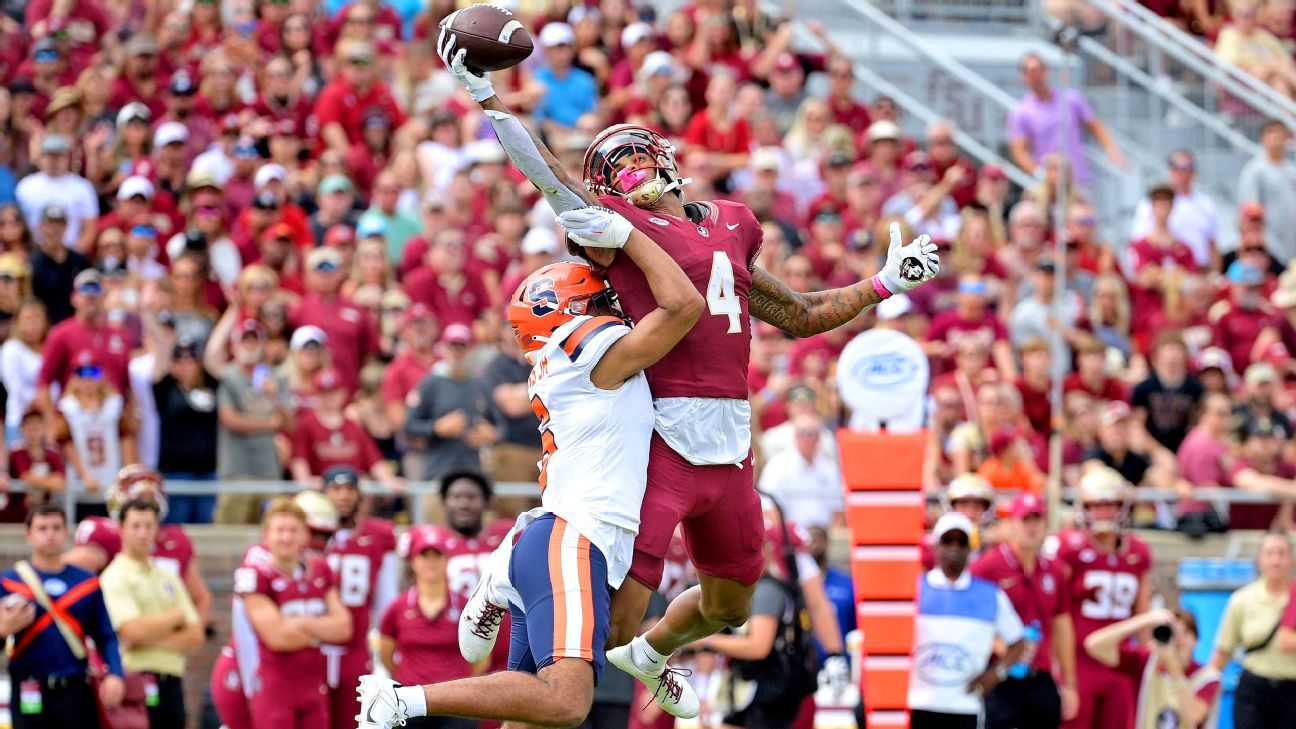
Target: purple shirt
[[1036, 121]]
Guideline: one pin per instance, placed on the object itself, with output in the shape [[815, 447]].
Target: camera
[[1162, 634]]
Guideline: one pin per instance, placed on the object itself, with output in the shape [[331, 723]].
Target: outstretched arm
[[815, 312]]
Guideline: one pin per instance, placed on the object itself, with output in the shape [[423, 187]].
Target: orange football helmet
[[551, 297]]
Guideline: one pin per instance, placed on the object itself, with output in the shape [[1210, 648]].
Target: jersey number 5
[[720, 297]]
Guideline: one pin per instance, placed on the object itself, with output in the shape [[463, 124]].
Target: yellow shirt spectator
[[132, 590]]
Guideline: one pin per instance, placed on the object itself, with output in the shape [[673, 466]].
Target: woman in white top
[[20, 363]]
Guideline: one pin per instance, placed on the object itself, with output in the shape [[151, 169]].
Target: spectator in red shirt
[[171, 156], [944, 154], [1035, 384], [384, 22], [715, 132], [352, 338], [1152, 256], [274, 248], [324, 437], [85, 24], [1246, 314], [1090, 374], [845, 109], [354, 94], [180, 100], [419, 333], [1262, 468], [35, 461], [139, 78], [971, 318], [444, 284], [86, 331]]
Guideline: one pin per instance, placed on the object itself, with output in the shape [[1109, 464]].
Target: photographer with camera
[[1173, 690]]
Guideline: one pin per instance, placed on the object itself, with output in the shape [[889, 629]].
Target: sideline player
[[361, 553], [700, 467], [98, 538], [588, 388], [1107, 572]]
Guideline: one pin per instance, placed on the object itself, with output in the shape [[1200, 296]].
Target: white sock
[[412, 697], [645, 657]]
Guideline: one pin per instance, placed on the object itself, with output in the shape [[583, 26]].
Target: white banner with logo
[[882, 376]]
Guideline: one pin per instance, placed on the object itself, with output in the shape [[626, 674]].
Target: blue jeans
[[186, 509]]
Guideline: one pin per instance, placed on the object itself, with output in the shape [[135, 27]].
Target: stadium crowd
[[273, 240]]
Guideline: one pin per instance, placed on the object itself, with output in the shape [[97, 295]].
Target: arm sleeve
[[522, 149], [1007, 625], [104, 635]]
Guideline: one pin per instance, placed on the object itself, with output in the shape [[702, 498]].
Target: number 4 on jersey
[[720, 297]]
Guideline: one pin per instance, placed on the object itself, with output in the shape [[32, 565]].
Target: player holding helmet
[[98, 538], [1107, 574], [700, 469], [589, 391]]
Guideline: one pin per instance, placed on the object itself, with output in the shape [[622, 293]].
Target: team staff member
[[1266, 692], [959, 619], [1036, 587], [155, 620], [47, 668]]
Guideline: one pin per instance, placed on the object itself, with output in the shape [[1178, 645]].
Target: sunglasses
[[89, 372], [360, 62], [90, 289], [954, 540]]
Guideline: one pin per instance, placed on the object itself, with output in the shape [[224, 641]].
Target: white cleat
[[479, 623], [380, 708], [669, 689]]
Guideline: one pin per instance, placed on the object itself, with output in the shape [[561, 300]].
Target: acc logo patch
[[943, 664], [885, 369]]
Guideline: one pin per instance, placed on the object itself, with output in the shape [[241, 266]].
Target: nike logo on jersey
[[731, 226]]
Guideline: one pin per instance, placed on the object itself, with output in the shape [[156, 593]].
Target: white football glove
[[908, 266], [478, 85], [596, 227], [835, 678]]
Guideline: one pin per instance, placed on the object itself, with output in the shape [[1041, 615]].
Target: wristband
[[880, 289]]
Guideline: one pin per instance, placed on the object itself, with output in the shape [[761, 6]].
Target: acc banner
[[882, 376]]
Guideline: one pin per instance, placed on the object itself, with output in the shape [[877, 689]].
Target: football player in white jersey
[[596, 419]]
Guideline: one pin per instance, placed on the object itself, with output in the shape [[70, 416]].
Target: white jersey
[[96, 435], [595, 466]]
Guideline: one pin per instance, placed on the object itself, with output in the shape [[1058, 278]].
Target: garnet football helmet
[[1103, 486], [551, 297], [642, 186], [136, 481], [321, 514], [970, 487]]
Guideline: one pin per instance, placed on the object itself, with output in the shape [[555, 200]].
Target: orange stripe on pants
[[556, 583]]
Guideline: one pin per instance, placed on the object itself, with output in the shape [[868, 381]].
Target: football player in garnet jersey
[[588, 388], [98, 538], [1107, 573], [700, 470], [362, 554]]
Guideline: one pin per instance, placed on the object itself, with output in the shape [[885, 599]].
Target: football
[[495, 39]]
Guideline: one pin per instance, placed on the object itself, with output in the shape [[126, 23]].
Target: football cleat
[[380, 708], [479, 623], [669, 689]]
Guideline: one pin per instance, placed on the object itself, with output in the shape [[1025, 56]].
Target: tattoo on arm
[[805, 315]]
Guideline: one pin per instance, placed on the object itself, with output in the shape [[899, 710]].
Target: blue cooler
[[1205, 586]]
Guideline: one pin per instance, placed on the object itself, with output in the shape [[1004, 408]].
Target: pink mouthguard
[[630, 179]]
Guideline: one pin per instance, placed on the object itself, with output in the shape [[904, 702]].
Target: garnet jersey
[[465, 559], [244, 646], [364, 564], [427, 648], [172, 552], [300, 594], [1103, 586], [717, 255]]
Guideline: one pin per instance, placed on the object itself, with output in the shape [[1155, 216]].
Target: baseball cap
[[1026, 505], [838, 160], [54, 144], [993, 172], [170, 133], [953, 522], [894, 307], [327, 380], [182, 84], [339, 235], [323, 259], [916, 161], [134, 186], [418, 312], [1262, 427], [55, 211], [278, 231], [1214, 358], [557, 34], [335, 183], [1259, 373], [883, 129], [371, 226], [63, 98], [1002, 439], [269, 173], [1251, 211], [785, 62], [421, 538], [88, 281], [14, 265], [657, 62], [1115, 412], [341, 476], [144, 230], [766, 158], [539, 240], [305, 335], [457, 334], [1244, 274], [142, 44], [1045, 264], [635, 33], [134, 111], [185, 346], [201, 178]]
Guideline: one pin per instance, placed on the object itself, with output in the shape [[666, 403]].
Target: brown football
[[494, 37]]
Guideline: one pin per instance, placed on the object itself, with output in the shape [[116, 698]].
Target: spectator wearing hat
[[261, 221], [324, 437], [883, 158], [969, 320], [397, 226], [1251, 246], [240, 187], [445, 284], [85, 24], [252, 406], [354, 93], [142, 254], [1164, 402], [1035, 317], [185, 397], [1239, 321], [55, 184], [64, 115], [786, 75], [335, 199], [951, 601], [1033, 124], [1034, 585], [1194, 216], [924, 201], [372, 153], [274, 248], [134, 205], [86, 331], [308, 355], [139, 79], [1262, 388], [1269, 179], [180, 102], [1158, 253], [171, 156], [1011, 464], [803, 480], [415, 355], [717, 130], [280, 96], [638, 40], [418, 639], [1035, 384], [352, 336], [449, 414], [15, 288], [54, 266], [562, 91], [47, 69]]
